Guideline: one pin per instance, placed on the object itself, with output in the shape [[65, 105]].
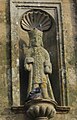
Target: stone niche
[[53, 43]]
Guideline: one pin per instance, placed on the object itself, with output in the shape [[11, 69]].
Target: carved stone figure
[[37, 62]]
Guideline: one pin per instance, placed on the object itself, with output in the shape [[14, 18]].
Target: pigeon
[[34, 94]]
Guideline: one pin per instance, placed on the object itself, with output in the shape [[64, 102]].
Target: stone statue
[[37, 62]]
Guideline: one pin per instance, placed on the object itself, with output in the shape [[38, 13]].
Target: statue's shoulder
[[44, 51]]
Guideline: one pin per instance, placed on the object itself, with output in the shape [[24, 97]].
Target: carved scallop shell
[[35, 19]]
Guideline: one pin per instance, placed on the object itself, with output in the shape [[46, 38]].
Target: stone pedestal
[[40, 109]]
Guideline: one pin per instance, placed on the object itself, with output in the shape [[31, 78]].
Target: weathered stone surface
[[3, 80]]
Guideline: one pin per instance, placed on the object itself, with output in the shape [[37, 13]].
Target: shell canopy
[[35, 19]]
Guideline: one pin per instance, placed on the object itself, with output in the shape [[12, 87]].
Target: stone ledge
[[59, 109]]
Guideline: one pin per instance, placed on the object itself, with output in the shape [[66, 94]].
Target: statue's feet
[[48, 98]]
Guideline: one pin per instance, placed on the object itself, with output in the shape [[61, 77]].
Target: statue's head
[[35, 37]]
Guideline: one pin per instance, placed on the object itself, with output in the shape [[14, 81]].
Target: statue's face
[[35, 38]]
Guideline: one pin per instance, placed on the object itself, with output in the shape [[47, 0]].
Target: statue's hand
[[28, 63], [47, 69], [28, 67], [29, 60]]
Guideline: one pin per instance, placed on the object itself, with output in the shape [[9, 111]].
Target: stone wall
[[70, 42]]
